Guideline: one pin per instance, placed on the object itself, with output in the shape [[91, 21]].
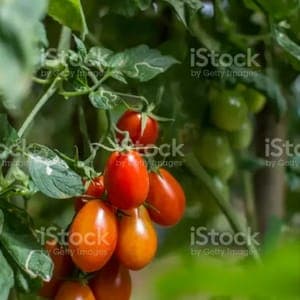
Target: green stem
[[87, 91], [249, 199], [65, 39], [49, 93], [193, 165]]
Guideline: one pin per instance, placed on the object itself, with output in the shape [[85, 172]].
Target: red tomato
[[62, 268], [72, 290], [95, 189], [131, 121], [113, 282], [166, 198], [93, 236], [137, 242], [126, 179]]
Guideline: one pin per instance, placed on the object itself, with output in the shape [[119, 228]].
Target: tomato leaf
[[69, 13], [8, 134], [20, 244], [52, 175], [104, 98], [141, 62], [182, 7], [6, 277], [80, 46], [128, 7], [18, 47], [98, 57], [286, 43]]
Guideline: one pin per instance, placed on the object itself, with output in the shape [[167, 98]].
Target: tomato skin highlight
[[137, 243], [63, 266], [131, 121], [166, 198], [72, 290], [126, 179], [93, 236], [112, 282]]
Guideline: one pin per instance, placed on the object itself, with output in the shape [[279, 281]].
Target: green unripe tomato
[[241, 138], [227, 170], [213, 149], [229, 112], [255, 100]]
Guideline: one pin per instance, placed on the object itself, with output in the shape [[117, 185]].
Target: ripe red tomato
[[112, 282], [95, 189], [72, 290], [126, 179], [131, 121], [93, 236], [62, 268], [137, 242], [166, 198]]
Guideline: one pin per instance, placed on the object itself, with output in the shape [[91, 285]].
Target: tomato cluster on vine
[[112, 231], [230, 129]]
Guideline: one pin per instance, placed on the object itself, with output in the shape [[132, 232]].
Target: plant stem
[[87, 91], [65, 39], [194, 166], [43, 100], [249, 199]]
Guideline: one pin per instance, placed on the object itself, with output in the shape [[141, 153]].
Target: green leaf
[[278, 9], [182, 7], [128, 7], [25, 283], [141, 62], [286, 43], [80, 46], [104, 98], [18, 47], [20, 244], [262, 83], [6, 278], [8, 134], [69, 13], [98, 57], [52, 175]]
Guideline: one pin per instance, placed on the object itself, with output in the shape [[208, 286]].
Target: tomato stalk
[[43, 100]]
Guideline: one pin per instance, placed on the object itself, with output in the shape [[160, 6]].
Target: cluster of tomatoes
[[230, 128], [112, 230]]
